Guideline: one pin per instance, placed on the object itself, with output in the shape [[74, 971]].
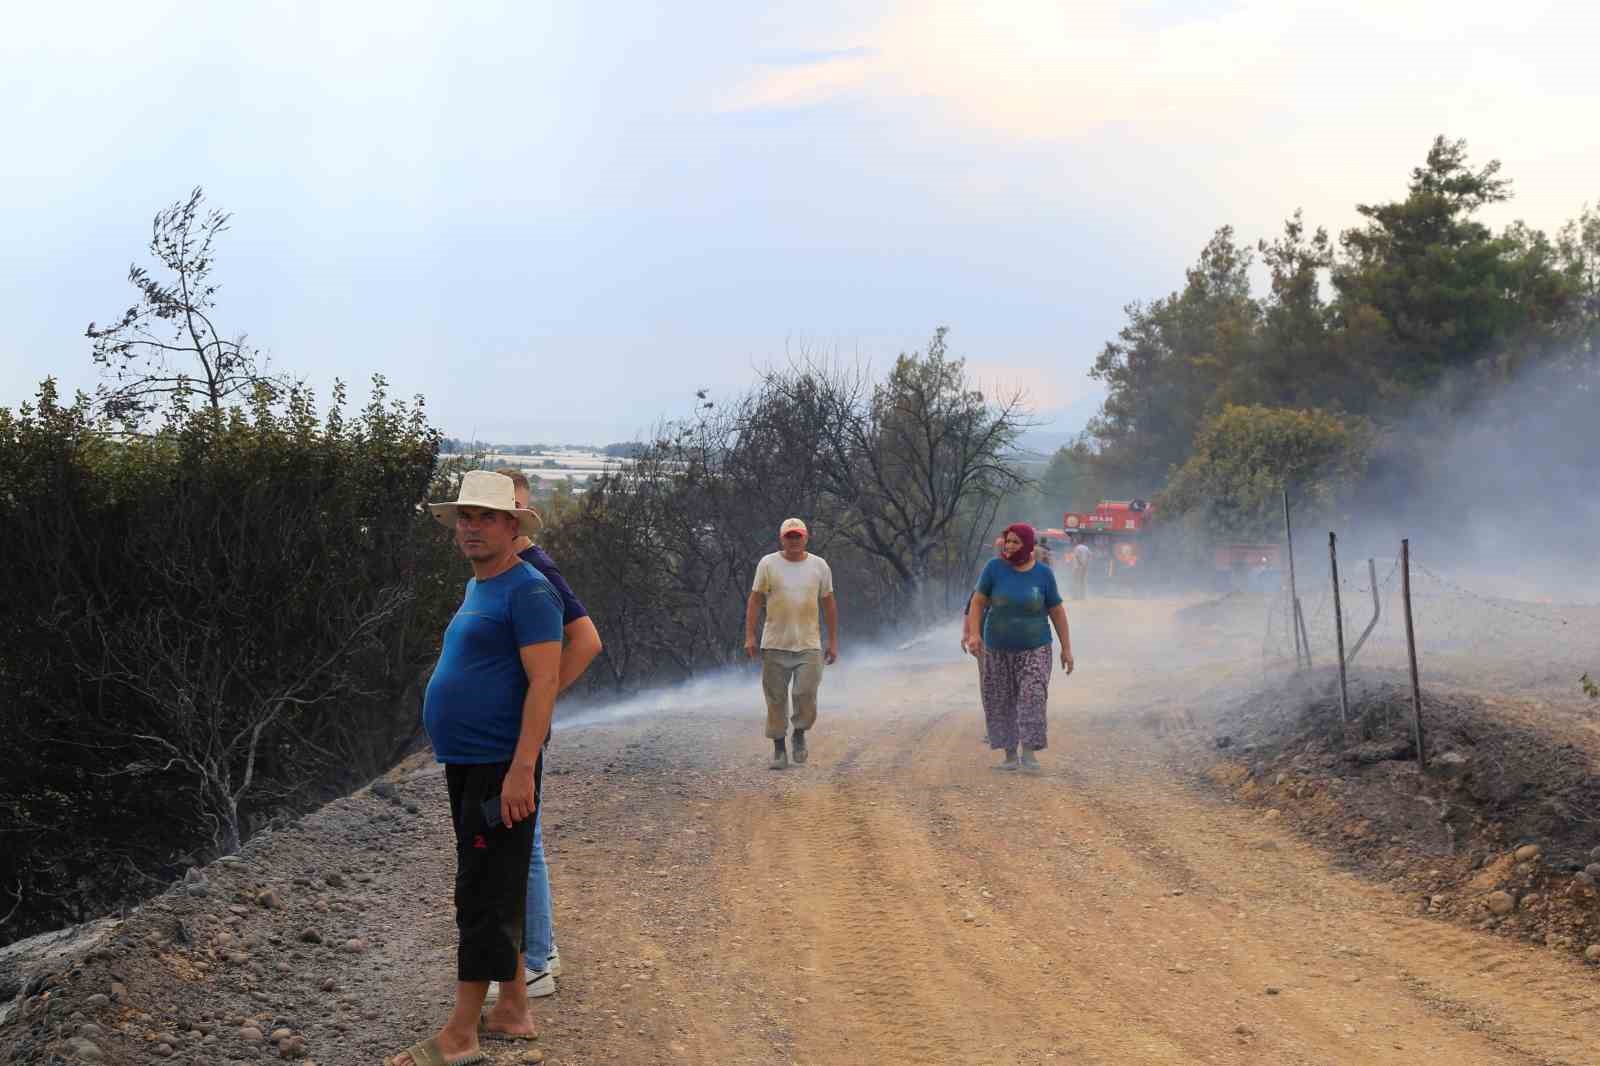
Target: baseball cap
[[792, 525]]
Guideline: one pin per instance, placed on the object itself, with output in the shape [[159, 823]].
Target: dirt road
[[898, 901]]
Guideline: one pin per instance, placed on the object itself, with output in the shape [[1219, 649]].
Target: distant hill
[[1045, 443]]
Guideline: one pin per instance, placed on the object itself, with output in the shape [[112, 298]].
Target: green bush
[[1245, 457], [203, 626]]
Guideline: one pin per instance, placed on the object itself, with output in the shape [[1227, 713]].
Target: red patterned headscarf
[[1025, 534]]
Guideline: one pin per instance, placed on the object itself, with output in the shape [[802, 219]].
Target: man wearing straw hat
[[487, 712]]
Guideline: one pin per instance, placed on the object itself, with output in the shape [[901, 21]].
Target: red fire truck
[[1116, 532], [1242, 565]]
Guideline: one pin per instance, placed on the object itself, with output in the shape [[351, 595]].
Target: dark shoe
[[798, 747], [780, 760], [1029, 763]]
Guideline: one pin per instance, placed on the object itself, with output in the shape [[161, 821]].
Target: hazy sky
[[557, 221]]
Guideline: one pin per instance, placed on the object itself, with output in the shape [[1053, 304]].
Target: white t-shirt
[[793, 592], [1080, 556]]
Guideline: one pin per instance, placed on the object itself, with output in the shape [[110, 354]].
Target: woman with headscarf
[[1008, 623]]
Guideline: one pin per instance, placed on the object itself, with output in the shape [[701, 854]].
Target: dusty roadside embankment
[[331, 941], [1502, 832]]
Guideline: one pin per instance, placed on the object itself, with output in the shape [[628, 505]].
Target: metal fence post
[[1372, 580], [1338, 627], [1417, 735], [1296, 622]]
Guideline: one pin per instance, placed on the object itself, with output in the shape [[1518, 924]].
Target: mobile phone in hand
[[491, 812]]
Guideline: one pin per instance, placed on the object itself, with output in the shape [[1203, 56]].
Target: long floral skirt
[[1015, 686]]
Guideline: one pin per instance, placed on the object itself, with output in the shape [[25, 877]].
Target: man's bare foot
[[508, 1019]]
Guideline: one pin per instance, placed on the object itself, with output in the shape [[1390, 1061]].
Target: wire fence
[[1462, 632]]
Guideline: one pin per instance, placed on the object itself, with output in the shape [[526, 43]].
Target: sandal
[[428, 1053]]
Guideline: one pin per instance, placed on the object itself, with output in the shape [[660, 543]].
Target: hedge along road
[[897, 901]]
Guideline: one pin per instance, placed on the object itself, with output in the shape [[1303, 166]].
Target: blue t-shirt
[[473, 707], [1019, 605], [572, 608]]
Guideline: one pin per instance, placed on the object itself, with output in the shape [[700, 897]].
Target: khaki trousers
[[778, 670], [1079, 582]]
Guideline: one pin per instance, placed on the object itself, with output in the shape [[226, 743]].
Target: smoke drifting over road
[[735, 690], [1505, 490]]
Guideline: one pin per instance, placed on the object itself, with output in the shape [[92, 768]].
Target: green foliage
[[1450, 291], [167, 347], [1426, 305], [205, 625], [897, 479], [1170, 359], [1578, 252], [1244, 459], [1074, 481], [904, 462], [559, 502], [1293, 361]]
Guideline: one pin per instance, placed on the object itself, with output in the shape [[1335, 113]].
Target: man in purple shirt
[[581, 645]]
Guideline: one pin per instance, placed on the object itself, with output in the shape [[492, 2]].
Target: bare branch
[[17, 895]]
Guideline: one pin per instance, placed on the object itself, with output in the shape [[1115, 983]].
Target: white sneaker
[[554, 965], [541, 983]]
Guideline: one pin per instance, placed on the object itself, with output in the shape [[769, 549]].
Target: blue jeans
[[538, 927]]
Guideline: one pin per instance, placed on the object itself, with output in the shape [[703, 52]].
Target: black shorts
[[491, 873]]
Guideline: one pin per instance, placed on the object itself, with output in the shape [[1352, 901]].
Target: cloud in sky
[[1316, 100], [1047, 384], [565, 218], [1030, 68]]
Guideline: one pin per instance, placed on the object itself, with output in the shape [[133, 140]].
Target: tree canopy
[[1420, 303]]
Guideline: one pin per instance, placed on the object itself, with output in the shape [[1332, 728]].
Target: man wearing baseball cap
[[793, 584]]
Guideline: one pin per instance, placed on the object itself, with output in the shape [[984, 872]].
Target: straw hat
[[485, 488]]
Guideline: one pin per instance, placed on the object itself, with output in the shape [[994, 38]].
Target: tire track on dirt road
[[838, 902], [928, 909]]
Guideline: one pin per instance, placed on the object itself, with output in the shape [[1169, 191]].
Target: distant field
[[578, 465]]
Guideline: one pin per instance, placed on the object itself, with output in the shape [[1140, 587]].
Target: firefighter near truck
[[1117, 536], [1124, 555]]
